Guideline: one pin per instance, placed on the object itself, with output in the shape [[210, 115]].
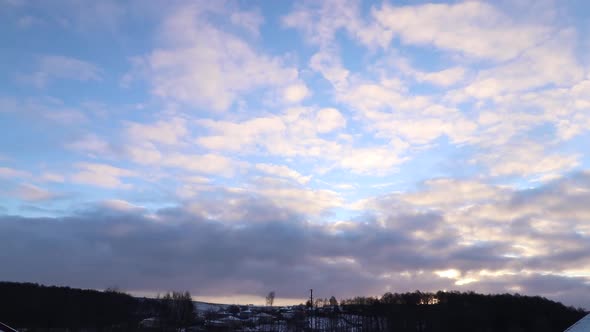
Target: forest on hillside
[[37, 307], [462, 312]]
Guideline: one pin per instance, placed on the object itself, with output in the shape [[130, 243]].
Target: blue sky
[[406, 144]]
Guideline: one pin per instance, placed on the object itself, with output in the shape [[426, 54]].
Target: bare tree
[[270, 298], [333, 301], [176, 309]]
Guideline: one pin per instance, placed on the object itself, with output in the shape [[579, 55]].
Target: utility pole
[[311, 325]]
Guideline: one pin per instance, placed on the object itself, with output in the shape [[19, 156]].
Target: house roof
[[583, 325], [6, 328]]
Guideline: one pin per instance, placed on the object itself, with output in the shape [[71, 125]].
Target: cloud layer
[[448, 235]]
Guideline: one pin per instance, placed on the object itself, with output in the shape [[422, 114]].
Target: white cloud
[[207, 163], [525, 159], [473, 28], [29, 192], [295, 93], [102, 175], [237, 136], [204, 66], [301, 200], [295, 133], [320, 21], [292, 133], [370, 160], [412, 118], [144, 153], [91, 144], [62, 67], [169, 131], [525, 224], [329, 119], [552, 62], [197, 179], [52, 177], [120, 205], [446, 77], [329, 65], [284, 172], [435, 193]]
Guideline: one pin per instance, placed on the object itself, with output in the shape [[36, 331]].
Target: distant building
[[245, 314], [150, 322], [583, 325]]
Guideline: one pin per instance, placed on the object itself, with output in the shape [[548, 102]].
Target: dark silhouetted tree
[[333, 301], [176, 309], [270, 298]]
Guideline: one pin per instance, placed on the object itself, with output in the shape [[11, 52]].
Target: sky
[[231, 148]]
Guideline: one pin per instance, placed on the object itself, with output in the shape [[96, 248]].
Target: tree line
[[38, 307], [458, 312]]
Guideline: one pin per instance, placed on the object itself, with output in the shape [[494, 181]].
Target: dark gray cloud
[[250, 246]]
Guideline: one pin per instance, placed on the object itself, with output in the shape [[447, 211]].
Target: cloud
[[236, 136], [506, 241], [202, 65], [169, 131], [249, 20], [444, 77], [52, 177], [283, 171], [209, 163], [329, 119], [10, 173], [472, 28], [91, 144], [512, 75], [55, 110], [53, 67], [144, 153], [29, 192], [370, 160], [329, 65], [415, 119], [295, 93], [301, 200], [119, 205], [320, 21], [157, 145], [465, 192], [296, 132], [291, 133], [525, 159], [101, 175], [552, 62]]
